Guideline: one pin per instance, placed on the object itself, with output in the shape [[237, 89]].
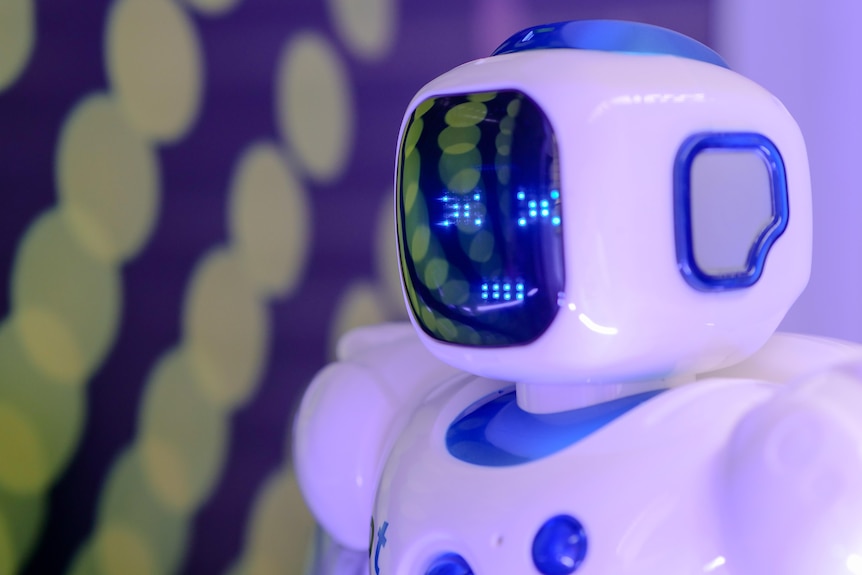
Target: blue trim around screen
[[610, 36], [689, 150]]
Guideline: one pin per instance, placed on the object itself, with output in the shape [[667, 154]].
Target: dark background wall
[[194, 204]]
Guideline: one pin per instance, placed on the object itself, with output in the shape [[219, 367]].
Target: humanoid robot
[[600, 228]]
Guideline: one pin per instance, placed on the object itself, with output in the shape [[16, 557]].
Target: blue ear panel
[[610, 36], [730, 206]]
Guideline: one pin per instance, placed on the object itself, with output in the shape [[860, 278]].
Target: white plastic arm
[[791, 483], [348, 420]]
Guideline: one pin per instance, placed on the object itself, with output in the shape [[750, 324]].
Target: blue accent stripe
[[498, 433], [610, 36]]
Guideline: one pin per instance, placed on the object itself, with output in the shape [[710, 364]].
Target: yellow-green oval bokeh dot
[[128, 499], [410, 179], [155, 66], [269, 218], [428, 318], [416, 217], [436, 272], [409, 194], [169, 472], [226, 329], [23, 465], [50, 344], [423, 107], [514, 107], [466, 114], [359, 305], [412, 297], [85, 562], [315, 104], [419, 242], [56, 411], [482, 246], [67, 303], [446, 328], [21, 521], [460, 172], [367, 27], [464, 181], [8, 556], [504, 171], [183, 436], [455, 292], [108, 180], [458, 140], [19, 33], [507, 125], [412, 137], [121, 550], [281, 529], [213, 7], [482, 96], [503, 143]]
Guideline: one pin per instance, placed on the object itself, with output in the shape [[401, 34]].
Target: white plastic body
[[348, 419], [627, 313], [736, 474]]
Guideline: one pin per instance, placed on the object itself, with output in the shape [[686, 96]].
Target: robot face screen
[[479, 218]]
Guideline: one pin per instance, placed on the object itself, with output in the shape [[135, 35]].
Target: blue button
[[560, 546], [449, 564]]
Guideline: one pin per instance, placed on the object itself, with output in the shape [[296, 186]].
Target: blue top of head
[[610, 36]]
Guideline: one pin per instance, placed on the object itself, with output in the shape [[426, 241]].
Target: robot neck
[[554, 398]]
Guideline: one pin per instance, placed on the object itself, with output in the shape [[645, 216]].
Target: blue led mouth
[[610, 36]]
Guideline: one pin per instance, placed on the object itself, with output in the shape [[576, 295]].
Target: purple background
[[240, 51]]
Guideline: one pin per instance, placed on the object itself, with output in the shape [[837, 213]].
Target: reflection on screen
[[480, 220]]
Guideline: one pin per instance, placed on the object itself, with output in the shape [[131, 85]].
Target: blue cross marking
[[381, 542]]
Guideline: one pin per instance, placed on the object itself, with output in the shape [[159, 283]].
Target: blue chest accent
[[610, 36], [498, 433]]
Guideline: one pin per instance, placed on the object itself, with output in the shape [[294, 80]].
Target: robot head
[[599, 202]]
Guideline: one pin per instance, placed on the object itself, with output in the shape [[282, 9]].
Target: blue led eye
[[449, 564], [555, 220], [560, 546], [555, 195], [521, 195], [477, 197], [545, 213], [522, 221]]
